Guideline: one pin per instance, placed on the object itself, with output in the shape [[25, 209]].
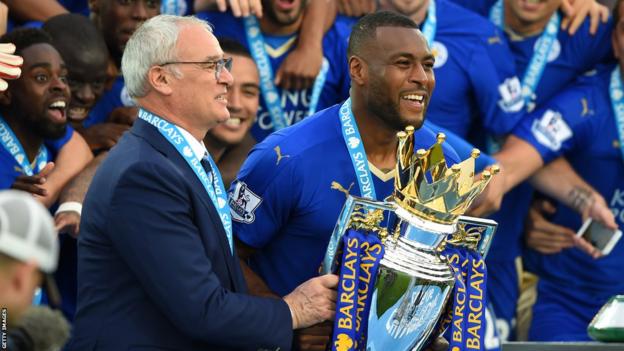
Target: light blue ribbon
[[538, 62], [354, 144], [11, 144], [617, 102], [431, 23], [271, 97], [213, 183]]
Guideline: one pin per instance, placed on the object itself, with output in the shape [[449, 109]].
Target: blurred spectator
[[230, 142], [116, 21], [86, 56], [28, 246], [270, 39]]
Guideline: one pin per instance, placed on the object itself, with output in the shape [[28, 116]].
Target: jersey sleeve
[[54, 146], [561, 125], [497, 88], [262, 196]]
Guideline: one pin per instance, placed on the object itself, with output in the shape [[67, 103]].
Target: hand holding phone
[[599, 236]]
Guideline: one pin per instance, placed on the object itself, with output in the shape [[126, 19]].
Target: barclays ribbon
[[431, 23], [476, 302], [617, 102], [360, 260], [11, 143], [538, 62], [270, 94], [213, 185], [456, 334], [354, 144]]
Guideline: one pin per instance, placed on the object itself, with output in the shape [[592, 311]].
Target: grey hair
[[153, 43]]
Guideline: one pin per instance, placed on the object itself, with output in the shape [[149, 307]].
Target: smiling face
[[200, 97], [243, 99], [40, 96], [531, 11], [87, 79], [284, 12], [400, 77]]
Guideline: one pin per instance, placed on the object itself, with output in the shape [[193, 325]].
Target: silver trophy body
[[414, 281]]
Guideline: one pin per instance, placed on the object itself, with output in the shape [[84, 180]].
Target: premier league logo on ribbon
[[412, 267]]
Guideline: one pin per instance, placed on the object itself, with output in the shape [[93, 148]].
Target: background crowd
[[534, 84]]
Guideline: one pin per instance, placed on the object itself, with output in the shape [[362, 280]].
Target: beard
[[385, 108], [272, 14], [45, 128]]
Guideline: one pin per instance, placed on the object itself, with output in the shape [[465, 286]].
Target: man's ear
[[358, 70], [160, 79], [5, 97]]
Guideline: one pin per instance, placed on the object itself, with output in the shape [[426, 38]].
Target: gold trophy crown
[[426, 187]]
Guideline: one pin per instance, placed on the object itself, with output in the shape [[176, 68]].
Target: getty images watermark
[[3, 330]]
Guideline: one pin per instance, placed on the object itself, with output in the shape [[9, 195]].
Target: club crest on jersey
[[440, 53], [511, 95], [243, 203], [551, 130]]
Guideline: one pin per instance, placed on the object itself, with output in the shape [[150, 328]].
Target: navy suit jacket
[[155, 271]]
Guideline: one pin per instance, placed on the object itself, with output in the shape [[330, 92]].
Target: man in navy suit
[[156, 264]]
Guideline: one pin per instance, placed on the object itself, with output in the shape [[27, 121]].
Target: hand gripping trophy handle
[[414, 281]]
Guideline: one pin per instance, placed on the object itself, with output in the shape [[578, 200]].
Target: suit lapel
[[151, 135]]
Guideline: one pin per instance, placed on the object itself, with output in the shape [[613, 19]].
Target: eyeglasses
[[217, 65]]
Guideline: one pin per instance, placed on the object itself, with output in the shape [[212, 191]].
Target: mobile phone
[[601, 237]]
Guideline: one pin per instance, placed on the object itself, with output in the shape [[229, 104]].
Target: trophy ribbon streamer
[[456, 333], [476, 288], [360, 261]]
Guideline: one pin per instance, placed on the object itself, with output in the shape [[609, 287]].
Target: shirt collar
[[198, 147]]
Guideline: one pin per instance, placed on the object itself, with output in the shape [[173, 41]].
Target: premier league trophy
[[401, 261]]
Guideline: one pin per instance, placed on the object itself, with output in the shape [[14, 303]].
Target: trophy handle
[[353, 205], [483, 227]]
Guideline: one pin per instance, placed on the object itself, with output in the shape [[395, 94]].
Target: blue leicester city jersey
[[568, 57], [295, 104], [290, 191], [10, 168], [116, 97], [476, 82], [580, 123]]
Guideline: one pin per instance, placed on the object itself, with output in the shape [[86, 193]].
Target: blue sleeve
[[463, 148], [497, 88], [560, 125], [263, 196], [598, 44], [54, 146]]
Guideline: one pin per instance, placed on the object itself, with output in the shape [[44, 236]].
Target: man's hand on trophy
[[314, 338], [549, 238], [313, 302], [439, 344]]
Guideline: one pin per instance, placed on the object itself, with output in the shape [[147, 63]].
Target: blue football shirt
[[580, 123], [290, 191]]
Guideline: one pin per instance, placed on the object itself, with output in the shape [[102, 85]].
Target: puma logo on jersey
[[336, 186], [278, 152], [494, 40], [586, 111]]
